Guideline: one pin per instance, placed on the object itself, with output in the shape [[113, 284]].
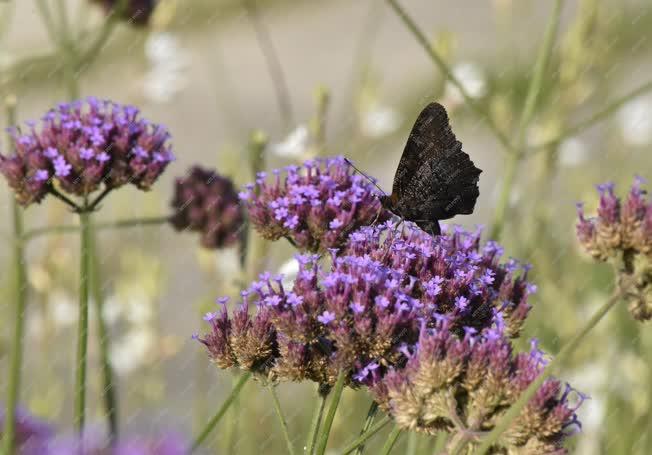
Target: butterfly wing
[[435, 179]]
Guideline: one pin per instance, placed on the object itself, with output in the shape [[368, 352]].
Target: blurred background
[[354, 74]]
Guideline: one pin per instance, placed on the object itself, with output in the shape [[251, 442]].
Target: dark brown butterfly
[[435, 180]]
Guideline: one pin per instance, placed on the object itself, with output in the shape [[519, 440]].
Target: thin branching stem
[[592, 120], [120, 224], [274, 67], [391, 440], [448, 73], [516, 409], [365, 437], [515, 158], [281, 419], [371, 416], [210, 426], [336, 394], [316, 422]]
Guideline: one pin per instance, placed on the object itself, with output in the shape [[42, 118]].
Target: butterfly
[[435, 180]]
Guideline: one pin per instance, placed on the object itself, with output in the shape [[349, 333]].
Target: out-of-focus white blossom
[[573, 152], [132, 350], [63, 308], [289, 270], [378, 121], [472, 78], [168, 63], [294, 145], [635, 120]]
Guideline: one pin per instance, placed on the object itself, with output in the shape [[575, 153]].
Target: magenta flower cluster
[[315, 206], [77, 147], [206, 202], [378, 292], [621, 232], [465, 384]]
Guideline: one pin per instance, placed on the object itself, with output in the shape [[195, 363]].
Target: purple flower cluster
[[31, 434], [137, 12], [622, 232], [206, 202], [35, 437], [617, 227], [380, 289], [82, 144], [464, 385], [315, 206]]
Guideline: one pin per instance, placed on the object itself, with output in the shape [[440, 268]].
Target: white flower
[[379, 121], [131, 351], [63, 307], [573, 152], [168, 62], [289, 270], [294, 145], [471, 77], [635, 120]]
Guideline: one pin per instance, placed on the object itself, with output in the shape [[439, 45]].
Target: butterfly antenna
[[364, 175]]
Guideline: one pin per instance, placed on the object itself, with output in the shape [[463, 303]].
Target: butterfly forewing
[[435, 179]]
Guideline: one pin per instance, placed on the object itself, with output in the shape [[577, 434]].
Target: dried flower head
[[464, 385], [315, 206], [137, 12], [622, 233], [372, 302], [81, 145], [206, 202]]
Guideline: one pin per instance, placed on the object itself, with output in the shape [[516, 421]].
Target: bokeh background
[[202, 68]]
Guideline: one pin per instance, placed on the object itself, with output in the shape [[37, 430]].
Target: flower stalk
[[330, 416], [391, 440], [20, 296], [281, 419], [316, 421]]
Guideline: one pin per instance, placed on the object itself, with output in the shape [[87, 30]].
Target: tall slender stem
[[518, 152], [371, 415], [210, 426], [109, 387], [82, 335], [20, 296], [336, 394], [412, 444], [448, 73], [281, 419], [315, 423], [273, 62], [515, 410], [363, 438], [120, 224], [391, 440]]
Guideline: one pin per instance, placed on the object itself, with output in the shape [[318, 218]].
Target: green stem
[[274, 67], [20, 294], [448, 73], [109, 388], [363, 438], [391, 440], [371, 415], [515, 410], [440, 442], [281, 419], [316, 422], [515, 158], [593, 119], [412, 444], [210, 426], [87, 57], [336, 394], [82, 335], [134, 222]]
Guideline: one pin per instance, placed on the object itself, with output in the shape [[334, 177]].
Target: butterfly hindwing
[[435, 179]]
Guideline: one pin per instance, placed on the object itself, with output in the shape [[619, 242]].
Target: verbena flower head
[[137, 12], [31, 434], [315, 206], [622, 233], [466, 384], [79, 146], [206, 202], [380, 291]]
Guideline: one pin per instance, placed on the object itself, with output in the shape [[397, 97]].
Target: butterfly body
[[435, 180]]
